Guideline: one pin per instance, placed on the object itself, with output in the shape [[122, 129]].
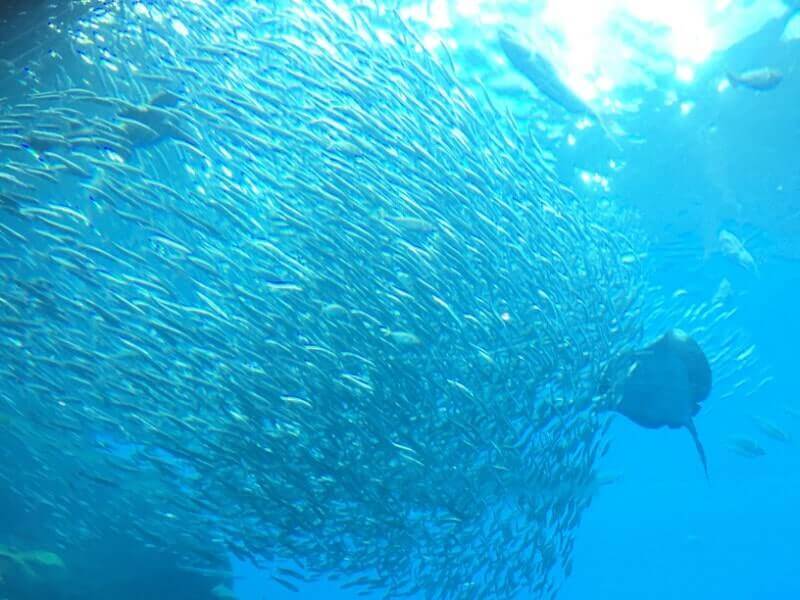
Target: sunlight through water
[[600, 46]]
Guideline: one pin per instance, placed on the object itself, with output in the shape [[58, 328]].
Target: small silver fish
[[771, 430], [746, 447]]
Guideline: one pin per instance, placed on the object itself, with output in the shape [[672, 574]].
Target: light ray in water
[[602, 45]]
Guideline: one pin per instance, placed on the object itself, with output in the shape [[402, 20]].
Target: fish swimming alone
[[665, 384], [732, 247], [761, 80], [538, 70], [535, 67]]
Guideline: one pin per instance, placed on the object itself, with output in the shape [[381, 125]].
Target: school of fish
[[277, 284]]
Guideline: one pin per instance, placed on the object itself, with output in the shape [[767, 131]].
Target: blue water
[[661, 530]]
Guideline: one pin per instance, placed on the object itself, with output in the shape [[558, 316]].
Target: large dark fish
[[756, 79], [665, 384]]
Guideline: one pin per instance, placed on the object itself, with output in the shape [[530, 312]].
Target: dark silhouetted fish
[[756, 79], [665, 384]]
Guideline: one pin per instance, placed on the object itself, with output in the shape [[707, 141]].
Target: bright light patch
[[598, 46], [571, 139], [384, 37], [179, 28], [585, 177], [723, 85], [585, 89], [431, 41], [604, 84], [468, 8], [338, 8], [684, 73], [600, 180], [595, 50], [792, 30], [694, 44], [487, 12], [686, 108], [433, 12], [331, 49]]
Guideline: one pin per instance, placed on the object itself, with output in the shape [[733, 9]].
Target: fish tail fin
[[697, 444], [732, 79]]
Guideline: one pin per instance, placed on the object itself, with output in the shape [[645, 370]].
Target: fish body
[[535, 67], [732, 247], [665, 385], [540, 72], [771, 430], [761, 80], [744, 446]]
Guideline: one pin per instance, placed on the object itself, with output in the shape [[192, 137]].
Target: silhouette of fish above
[[756, 79], [541, 73], [665, 384]]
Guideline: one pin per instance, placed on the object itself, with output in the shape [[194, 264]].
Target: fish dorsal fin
[[697, 444]]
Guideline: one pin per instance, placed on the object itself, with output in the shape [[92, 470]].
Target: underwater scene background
[[344, 299]]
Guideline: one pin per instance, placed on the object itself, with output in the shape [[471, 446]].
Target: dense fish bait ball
[[279, 277]]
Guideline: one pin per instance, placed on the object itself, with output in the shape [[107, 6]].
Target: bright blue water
[[663, 532]]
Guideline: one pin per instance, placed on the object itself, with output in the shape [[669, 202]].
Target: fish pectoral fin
[[697, 444]]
